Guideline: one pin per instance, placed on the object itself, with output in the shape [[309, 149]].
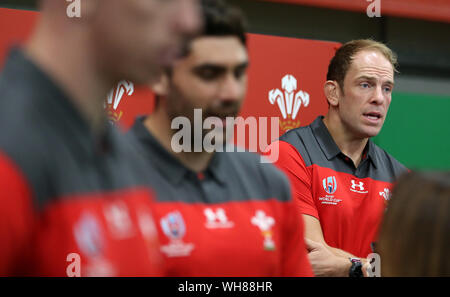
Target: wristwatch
[[356, 268]]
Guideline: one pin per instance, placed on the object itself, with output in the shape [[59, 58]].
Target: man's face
[[212, 78], [368, 85], [135, 38]]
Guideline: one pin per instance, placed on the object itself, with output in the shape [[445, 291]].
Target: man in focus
[[341, 179]]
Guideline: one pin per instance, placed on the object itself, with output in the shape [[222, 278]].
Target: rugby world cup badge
[[329, 184], [174, 228]]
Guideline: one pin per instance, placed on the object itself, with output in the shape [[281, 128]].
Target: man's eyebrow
[[209, 66], [366, 77], [372, 78], [219, 66]]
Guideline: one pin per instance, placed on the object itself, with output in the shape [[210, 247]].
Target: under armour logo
[[359, 185], [217, 219]]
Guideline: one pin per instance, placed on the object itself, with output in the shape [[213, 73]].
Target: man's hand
[[324, 262]]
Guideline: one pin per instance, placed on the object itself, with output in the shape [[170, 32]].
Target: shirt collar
[[165, 162], [216, 167], [371, 153], [323, 137], [329, 146]]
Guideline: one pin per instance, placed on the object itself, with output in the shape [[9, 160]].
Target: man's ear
[[332, 92], [160, 85]]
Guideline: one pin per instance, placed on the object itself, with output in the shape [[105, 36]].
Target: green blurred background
[[417, 131]]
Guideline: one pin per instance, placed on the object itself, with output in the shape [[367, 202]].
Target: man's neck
[[159, 125], [68, 61], [349, 145]]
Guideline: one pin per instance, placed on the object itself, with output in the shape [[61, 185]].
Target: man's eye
[[365, 85], [238, 73], [388, 89], [207, 74]]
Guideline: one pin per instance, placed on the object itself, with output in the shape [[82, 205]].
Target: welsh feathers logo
[[386, 194], [289, 102], [329, 184], [265, 223], [114, 98]]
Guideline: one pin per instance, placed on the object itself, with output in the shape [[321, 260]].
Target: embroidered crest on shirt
[[330, 186], [265, 223], [118, 220], [91, 241], [386, 194], [174, 228]]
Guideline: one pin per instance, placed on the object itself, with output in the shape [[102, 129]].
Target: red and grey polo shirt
[[67, 197], [349, 202], [236, 218]]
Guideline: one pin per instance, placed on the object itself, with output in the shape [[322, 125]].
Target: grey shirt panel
[[230, 176], [52, 145], [316, 146]]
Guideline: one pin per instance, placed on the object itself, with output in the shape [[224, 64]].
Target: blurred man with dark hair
[[72, 189], [341, 179], [219, 213]]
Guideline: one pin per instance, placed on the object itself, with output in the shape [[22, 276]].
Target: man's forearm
[[343, 266]]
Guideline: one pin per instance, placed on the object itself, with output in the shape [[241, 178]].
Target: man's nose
[[378, 96], [231, 89]]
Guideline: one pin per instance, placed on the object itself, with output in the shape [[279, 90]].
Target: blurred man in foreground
[[218, 213], [73, 200], [341, 179]]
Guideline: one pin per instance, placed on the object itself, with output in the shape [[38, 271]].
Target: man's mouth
[[373, 116]]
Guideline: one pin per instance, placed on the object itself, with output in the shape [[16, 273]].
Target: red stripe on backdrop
[[432, 10]]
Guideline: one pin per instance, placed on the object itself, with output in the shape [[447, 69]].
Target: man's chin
[[369, 133]]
